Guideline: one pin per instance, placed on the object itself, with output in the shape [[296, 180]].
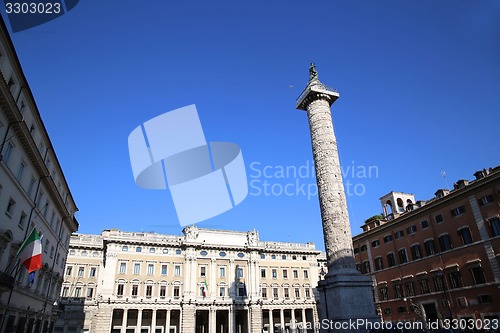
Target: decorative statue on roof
[[313, 73]]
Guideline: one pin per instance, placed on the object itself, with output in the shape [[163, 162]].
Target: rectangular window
[[151, 269], [445, 242], [308, 293], [485, 299], [297, 293], [149, 291], [275, 293], [31, 186], [263, 273], [177, 270], [403, 258], [439, 282], [119, 291], [486, 200], [92, 272], [264, 293], [415, 251], [430, 249], [135, 290], [465, 236], [424, 224], [495, 226], [306, 274], [458, 211], [410, 288], [22, 220], [137, 268], [10, 207], [163, 291], [222, 291], [376, 243], [81, 271], [68, 270], [455, 279], [8, 151], [222, 271], [164, 269], [391, 261], [365, 267], [399, 234], [286, 292], [239, 272], [123, 268], [478, 275], [90, 292], [203, 271], [176, 291], [20, 171], [285, 274], [78, 291], [274, 273], [388, 239], [411, 229], [424, 286], [439, 218], [295, 274], [65, 292], [379, 264], [398, 290], [384, 294]]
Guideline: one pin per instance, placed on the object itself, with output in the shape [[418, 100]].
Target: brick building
[[437, 258]]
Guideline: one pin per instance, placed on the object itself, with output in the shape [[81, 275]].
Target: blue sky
[[418, 82]]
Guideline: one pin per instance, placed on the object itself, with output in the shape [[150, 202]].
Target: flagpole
[[52, 269], [10, 295]]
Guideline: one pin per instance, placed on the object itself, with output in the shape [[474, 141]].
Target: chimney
[[460, 184], [481, 174], [441, 193]]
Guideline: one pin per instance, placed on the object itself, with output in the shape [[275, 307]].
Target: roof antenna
[[443, 173]]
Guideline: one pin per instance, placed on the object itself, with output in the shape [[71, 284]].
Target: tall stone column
[[345, 294]]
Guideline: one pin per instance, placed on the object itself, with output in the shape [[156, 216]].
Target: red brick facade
[[438, 259]]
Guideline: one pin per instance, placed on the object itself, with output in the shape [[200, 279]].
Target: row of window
[[77, 291], [42, 202], [80, 271], [430, 248], [203, 290], [438, 283], [285, 292], [125, 248], [284, 273]]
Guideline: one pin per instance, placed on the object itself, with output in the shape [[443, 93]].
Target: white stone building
[[204, 281], [33, 193]]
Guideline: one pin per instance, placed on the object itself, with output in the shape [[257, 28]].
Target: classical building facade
[[204, 281], [33, 193], [439, 258]]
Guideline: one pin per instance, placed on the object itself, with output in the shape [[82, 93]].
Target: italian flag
[[30, 252], [205, 290]]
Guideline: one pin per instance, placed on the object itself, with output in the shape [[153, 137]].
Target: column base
[[346, 302]]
